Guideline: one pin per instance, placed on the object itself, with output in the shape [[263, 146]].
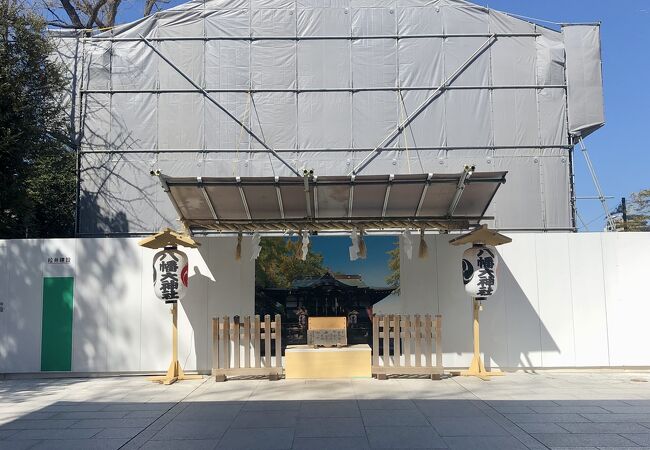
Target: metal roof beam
[[243, 199], [278, 192], [315, 189], [351, 198], [207, 199], [460, 188], [424, 194], [163, 182], [386, 197]]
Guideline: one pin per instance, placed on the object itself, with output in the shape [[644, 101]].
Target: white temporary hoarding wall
[[564, 300]]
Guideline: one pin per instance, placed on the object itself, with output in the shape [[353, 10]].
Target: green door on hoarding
[[56, 341]]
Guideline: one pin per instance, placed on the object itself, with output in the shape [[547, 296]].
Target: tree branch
[[148, 6], [112, 12], [72, 13], [92, 17]]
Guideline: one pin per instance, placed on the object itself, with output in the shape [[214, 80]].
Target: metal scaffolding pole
[[603, 200], [313, 38], [325, 89]]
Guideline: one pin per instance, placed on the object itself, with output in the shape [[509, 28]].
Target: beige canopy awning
[[368, 202]]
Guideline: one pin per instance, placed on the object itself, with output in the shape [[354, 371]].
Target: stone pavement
[[518, 411]]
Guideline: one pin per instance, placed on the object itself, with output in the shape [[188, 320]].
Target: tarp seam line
[[216, 103], [436, 94]]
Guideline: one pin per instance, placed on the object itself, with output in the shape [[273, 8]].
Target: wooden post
[[375, 340], [247, 341], [236, 350], [386, 340], [267, 341], [477, 369], [418, 334], [407, 341], [226, 342], [175, 371], [428, 347], [278, 340], [278, 345], [438, 325], [397, 347], [215, 343], [256, 342]]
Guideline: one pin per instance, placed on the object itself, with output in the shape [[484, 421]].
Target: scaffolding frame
[[402, 125]]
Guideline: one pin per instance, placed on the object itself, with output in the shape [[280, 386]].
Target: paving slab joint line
[[485, 407], [363, 422], [248, 398], [157, 420]]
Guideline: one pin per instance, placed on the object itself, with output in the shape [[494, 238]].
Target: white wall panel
[[193, 310], [518, 283], [4, 304], [120, 263], [588, 295], [562, 299], [156, 324], [95, 280], [627, 305], [455, 305], [21, 349], [555, 299]]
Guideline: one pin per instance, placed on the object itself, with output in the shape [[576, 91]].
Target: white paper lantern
[[170, 275], [480, 271]]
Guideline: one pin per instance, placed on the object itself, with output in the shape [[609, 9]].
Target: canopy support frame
[[424, 194], [387, 195], [460, 188], [243, 198], [351, 199], [278, 192], [165, 187], [207, 198]]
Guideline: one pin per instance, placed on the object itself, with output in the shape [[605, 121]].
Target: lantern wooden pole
[[175, 371], [477, 368]]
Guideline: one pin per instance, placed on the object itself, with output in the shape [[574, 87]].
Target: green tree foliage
[[638, 213], [37, 168], [278, 264]]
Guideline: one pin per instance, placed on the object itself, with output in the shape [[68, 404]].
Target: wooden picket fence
[[397, 336], [229, 334]]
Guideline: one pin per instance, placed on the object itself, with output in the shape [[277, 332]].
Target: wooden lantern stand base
[[175, 372], [477, 368]]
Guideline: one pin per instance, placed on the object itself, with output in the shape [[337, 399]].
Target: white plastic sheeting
[[323, 84], [584, 78]]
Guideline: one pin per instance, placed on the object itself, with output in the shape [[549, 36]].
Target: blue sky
[[619, 151], [374, 269]]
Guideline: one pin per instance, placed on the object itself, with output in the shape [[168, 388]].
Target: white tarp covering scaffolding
[[259, 88], [584, 78]]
